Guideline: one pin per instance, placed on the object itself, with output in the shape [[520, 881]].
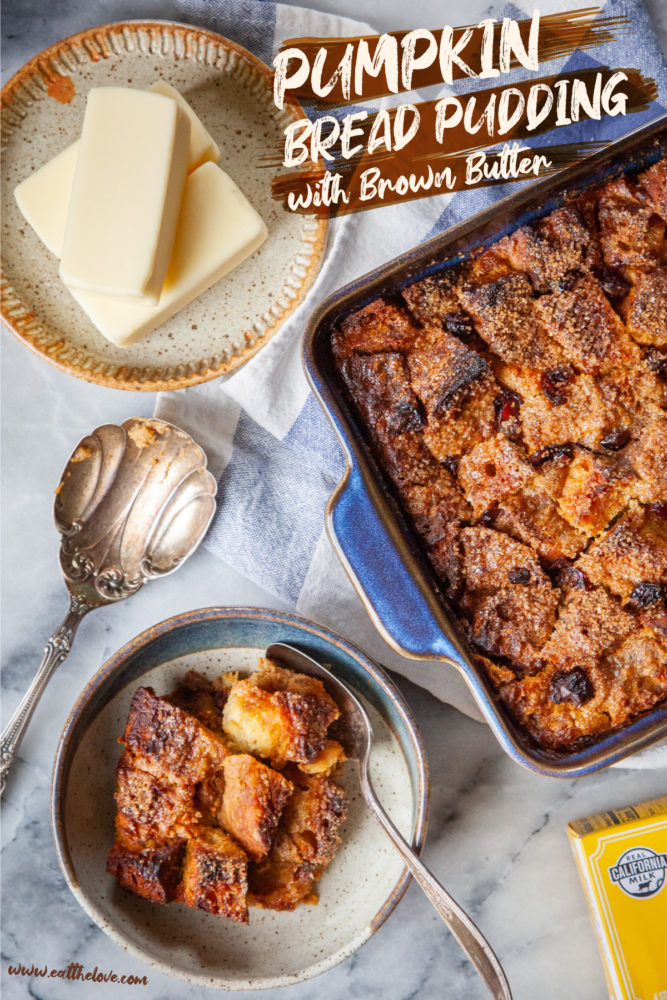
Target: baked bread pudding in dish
[[517, 401], [226, 794]]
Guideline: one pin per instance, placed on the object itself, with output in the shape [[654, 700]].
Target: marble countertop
[[497, 832]]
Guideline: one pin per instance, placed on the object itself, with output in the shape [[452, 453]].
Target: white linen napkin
[[269, 444]]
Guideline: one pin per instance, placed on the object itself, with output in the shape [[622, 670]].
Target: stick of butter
[[622, 859], [203, 146], [127, 192], [217, 229]]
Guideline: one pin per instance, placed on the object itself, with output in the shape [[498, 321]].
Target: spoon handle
[[57, 649], [464, 930]]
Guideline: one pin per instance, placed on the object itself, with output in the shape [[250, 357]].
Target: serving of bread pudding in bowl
[[225, 792]]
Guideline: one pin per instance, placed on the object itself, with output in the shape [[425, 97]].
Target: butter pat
[[43, 198], [622, 859], [127, 192], [48, 215], [217, 229], [202, 146]]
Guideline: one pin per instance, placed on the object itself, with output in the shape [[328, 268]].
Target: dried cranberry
[[645, 593], [616, 439], [489, 516], [506, 405], [571, 576], [553, 382], [572, 685], [657, 362], [612, 282], [550, 452], [519, 575], [451, 463], [458, 323], [658, 510], [555, 565]]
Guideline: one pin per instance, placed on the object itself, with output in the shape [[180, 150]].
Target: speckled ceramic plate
[[356, 893], [230, 89]]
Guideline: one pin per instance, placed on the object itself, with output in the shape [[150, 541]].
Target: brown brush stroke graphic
[[638, 90], [447, 176], [560, 36]]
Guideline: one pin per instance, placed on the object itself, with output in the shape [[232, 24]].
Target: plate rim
[[114, 663], [17, 315]]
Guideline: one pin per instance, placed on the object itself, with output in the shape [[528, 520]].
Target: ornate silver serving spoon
[[356, 736], [133, 502]]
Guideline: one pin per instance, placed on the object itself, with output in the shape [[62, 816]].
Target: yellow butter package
[[622, 859]]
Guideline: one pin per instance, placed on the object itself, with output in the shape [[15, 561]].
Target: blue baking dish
[[373, 537]]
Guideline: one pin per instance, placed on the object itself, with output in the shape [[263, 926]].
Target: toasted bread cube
[[532, 517], [549, 249], [506, 318], [215, 875], [653, 182], [200, 698], [282, 880], [648, 457], [583, 322], [279, 715], [151, 872], [253, 801], [630, 232], [590, 623], [380, 326], [326, 761], [645, 308], [313, 815], [631, 554], [434, 299], [595, 491], [380, 386], [490, 471], [149, 809], [169, 742]]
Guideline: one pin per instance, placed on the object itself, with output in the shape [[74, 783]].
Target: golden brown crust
[[522, 420]]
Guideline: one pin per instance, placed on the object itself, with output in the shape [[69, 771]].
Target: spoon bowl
[[134, 501]]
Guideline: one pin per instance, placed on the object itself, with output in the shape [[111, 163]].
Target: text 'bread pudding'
[[226, 792], [518, 403]]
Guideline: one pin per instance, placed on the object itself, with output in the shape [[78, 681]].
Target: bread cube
[[169, 742], [252, 803], [149, 809], [215, 874], [151, 872], [279, 715]]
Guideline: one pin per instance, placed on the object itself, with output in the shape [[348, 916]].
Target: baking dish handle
[[405, 613]]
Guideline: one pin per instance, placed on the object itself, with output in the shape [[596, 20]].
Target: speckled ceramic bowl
[[359, 890], [231, 90]]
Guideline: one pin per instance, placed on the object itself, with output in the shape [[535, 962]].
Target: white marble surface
[[497, 832]]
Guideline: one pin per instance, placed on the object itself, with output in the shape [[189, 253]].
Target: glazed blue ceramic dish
[[357, 892], [369, 529]]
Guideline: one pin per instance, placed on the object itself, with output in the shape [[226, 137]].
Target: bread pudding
[[226, 792], [517, 402]]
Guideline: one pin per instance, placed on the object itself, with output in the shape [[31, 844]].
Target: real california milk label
[[640, 872]]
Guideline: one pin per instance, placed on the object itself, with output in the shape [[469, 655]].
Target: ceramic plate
[[356, 893], [231, 90]]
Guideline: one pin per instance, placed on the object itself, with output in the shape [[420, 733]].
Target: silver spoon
[[356, 737], [133, 502]]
